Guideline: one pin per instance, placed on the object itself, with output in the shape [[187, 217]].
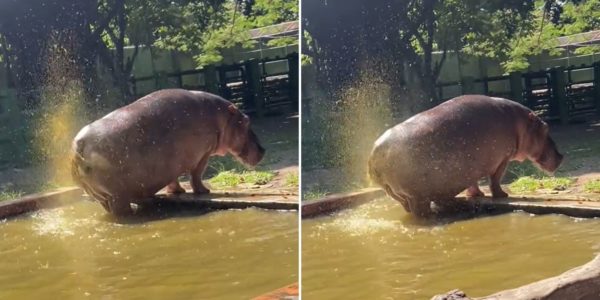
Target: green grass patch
[[291, 179], [10, 195], [233, 178], [313, 195], [531, 184], [592, 186]]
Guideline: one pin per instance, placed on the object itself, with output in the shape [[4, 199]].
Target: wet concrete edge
[[67, 195], [535, 204], [332, 203], [289, 292], [33, 202]]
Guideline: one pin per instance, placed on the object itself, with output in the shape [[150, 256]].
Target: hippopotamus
[[136, 150], [438, 153]]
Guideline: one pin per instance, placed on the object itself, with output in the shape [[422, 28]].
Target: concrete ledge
[[540, 205], [579, 283], [11, 208], [217, 200], [574, 206], [289, 292], [229, 200], [336, 202]]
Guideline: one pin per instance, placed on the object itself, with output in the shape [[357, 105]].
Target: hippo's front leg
[[197, 185], [495, 179]]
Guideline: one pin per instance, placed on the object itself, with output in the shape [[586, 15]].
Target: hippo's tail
[[80, 167], [372, 172], [81, 172]]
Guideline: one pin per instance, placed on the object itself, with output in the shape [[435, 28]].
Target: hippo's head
[[240, 140], [542, 149]]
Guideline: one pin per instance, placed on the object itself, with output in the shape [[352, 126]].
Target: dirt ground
[[278, 135], [578, 142]]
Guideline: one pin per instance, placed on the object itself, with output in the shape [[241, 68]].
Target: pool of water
[[377, 251], [77, 251]]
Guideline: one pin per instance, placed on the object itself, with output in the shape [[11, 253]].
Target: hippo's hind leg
[[398, 198], [421, 207], [474, 191], [495, 178], [120, 206], [175, 188], [197, 185]]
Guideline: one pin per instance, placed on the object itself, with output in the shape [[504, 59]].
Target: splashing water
[[60, 116], [366, 114]]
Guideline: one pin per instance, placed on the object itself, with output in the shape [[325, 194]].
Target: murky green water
[[376, 251], [78, 252]]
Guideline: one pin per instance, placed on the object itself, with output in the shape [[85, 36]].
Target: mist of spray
[[60, 116], [365, 113]]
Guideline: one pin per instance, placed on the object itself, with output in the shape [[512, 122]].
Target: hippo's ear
[[233, 109], [545, 127]]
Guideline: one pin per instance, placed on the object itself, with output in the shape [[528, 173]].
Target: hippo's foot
[[120, 208], [200, 190], [175, 188], [474, 191], [499, 194]]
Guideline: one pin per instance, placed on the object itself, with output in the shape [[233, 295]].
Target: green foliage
[[207, 29], [10, 195], [233, 178], [291, 179], [592, 186], [538, 35], [313, 194], [531, 184], [284, 41], [480, 28]]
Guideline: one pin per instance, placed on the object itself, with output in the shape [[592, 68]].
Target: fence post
[[11, 138], [558, 99], [597, 86], [516, 86], [293, 68], [467, 85], [161, 80], [254, 75], [211, 82]]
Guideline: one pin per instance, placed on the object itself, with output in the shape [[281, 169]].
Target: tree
[[91, 31], [552, 19], [229, 28], [397, 37]]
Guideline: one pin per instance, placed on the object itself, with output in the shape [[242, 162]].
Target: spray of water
[[365, 113], [60, 115]]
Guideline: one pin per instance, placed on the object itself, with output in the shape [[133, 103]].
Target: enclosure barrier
[[10, 119], [256, 86], [561, 94]]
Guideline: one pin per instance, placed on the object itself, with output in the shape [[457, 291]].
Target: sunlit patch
[[383, 137], [52, 222], [64, 222]]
